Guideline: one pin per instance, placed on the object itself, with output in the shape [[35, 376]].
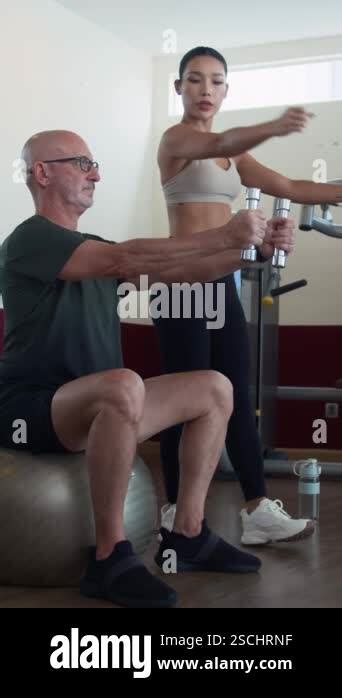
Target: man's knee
[[221, 391], [126, 393]]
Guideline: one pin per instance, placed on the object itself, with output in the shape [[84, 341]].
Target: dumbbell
[[281, 210], [250, 254]]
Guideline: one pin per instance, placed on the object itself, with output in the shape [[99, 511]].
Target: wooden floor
[[302, 574]]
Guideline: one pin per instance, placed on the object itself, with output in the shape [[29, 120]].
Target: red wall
[[140, 349], [308, 356]]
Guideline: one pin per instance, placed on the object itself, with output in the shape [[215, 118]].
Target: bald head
[[64, 184], [48, 145]]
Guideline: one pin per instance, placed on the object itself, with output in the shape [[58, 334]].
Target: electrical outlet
[[331, 409]]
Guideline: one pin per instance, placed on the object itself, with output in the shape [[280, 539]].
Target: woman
[[201, 174]]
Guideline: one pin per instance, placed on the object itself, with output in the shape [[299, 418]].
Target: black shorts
[[32, 404]]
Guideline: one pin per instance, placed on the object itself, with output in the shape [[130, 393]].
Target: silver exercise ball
[[46, 520]]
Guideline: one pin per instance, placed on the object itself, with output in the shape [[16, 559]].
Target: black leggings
[[188, 345]]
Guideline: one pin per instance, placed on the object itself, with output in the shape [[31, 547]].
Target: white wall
[[317, 258], [58, 70]]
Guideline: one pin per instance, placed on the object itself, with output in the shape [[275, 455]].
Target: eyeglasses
[[85, 164]]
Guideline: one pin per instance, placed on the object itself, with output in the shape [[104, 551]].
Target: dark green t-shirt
[[55, 331]]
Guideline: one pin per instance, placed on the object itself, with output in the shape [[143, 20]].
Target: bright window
[[251, 87]]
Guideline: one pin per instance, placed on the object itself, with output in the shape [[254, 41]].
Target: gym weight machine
[[260, 291], [326, 226]]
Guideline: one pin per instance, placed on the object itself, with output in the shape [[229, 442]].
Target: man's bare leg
[[108, 413], [100, 414], [202, 438]]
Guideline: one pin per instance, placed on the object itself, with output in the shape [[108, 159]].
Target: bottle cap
[[307, 468]]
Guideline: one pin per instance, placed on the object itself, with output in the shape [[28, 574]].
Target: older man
[[62, 368]]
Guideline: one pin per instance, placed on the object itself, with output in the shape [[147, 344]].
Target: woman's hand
[[294, 119], [280, 234]]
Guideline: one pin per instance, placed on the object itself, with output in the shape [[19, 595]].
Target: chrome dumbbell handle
[[250, 254], [281, 210]]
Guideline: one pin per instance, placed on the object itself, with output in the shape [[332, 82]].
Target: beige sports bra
[[203, 181]]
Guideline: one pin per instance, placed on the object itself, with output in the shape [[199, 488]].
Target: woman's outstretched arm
[[183, 141], [300, 191]]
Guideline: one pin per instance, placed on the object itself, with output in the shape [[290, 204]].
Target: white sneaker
[[270, 523], [168, 513]]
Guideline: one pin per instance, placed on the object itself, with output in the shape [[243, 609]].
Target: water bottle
[[308, 472]]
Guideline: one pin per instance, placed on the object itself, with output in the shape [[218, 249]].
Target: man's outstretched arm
[[200, 257]]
